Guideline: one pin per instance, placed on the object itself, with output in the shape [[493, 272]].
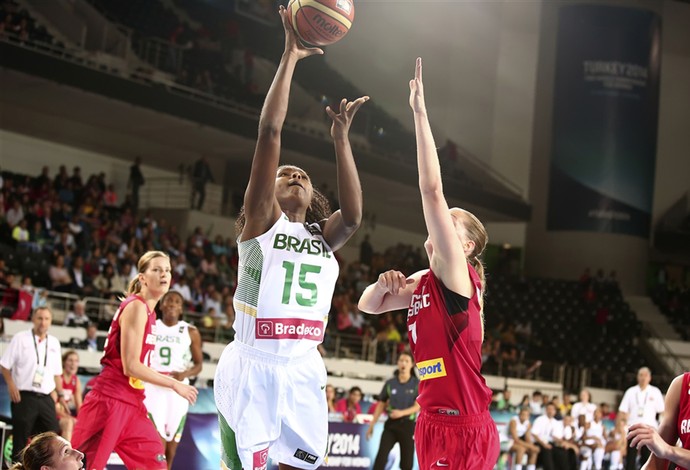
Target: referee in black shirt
[[399, 398]]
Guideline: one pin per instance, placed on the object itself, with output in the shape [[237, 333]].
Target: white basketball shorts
[[271, 406]]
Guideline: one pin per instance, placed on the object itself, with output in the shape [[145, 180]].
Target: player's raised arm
[[260, 206], [344, 222], [448, 258]]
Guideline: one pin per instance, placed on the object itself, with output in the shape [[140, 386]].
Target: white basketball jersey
[[520, 427], [285, 284], [173, 347]]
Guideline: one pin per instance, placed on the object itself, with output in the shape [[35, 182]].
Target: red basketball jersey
[[112, 380], [684, 413], [69, 389], [445, 333]]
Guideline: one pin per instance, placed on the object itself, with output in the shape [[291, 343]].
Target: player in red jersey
[[71, 392], [454, 429], [674, 425], [113, 416]]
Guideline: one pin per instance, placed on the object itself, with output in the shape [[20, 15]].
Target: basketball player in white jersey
[[270, 382], [178, 354]]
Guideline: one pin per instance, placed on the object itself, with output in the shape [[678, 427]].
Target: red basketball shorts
[[106, 425], [456, 442]]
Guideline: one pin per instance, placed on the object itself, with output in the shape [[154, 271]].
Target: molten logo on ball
[[321, 22]]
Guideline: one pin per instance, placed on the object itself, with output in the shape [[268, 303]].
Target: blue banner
[[605, 110]]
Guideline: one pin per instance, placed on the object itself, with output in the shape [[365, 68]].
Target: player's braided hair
[[318, 210]]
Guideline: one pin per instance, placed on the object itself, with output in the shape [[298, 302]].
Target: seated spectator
[[607, 412], [110, 197], [15, 213], [547, 432], [616, 444], [39, 238], [20, 233], [93, 342], [569, 437], [78, 316], [350, 407], [584, 407], [68, 408], [59, 276], [520, 436], [218, 246], [567, 405], [555, 399], [503, 402], [109, 281], [537, 404], [182, 287], [213, 301], [592, 442], [330, 398], [82, 281]]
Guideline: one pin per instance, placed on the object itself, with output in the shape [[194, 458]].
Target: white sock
[[517, 466], [531, 467]]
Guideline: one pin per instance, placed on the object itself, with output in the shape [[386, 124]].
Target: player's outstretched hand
[[343, 120], [292, 43], [417, 89], [187, 392], [392, 281]]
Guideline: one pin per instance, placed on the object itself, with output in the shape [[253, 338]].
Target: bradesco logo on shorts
[[431, 369], [289, 328]]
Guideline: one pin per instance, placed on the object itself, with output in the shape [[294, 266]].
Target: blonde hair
[[142, 265], [475, 231]]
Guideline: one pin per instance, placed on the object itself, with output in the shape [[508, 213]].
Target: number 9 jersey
[[285, 283]]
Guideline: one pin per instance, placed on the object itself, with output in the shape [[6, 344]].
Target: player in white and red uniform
[[444, 320], [113, 416], [269, 383], [675, 425], [178, 354]]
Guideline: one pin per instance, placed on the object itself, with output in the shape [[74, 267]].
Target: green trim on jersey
[[250, 276], [177, 437], [229, 456], [153, 421]]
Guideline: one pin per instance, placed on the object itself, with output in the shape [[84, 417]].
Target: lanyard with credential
[[38, 358]]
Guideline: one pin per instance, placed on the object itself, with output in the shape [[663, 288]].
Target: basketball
[[321, 22]]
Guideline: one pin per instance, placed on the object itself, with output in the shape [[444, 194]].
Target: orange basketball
[[321, 22]]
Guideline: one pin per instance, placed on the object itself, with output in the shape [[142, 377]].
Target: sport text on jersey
[[418, 302], [685, 426], [310, 246], [431, 369], [289, 328]]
